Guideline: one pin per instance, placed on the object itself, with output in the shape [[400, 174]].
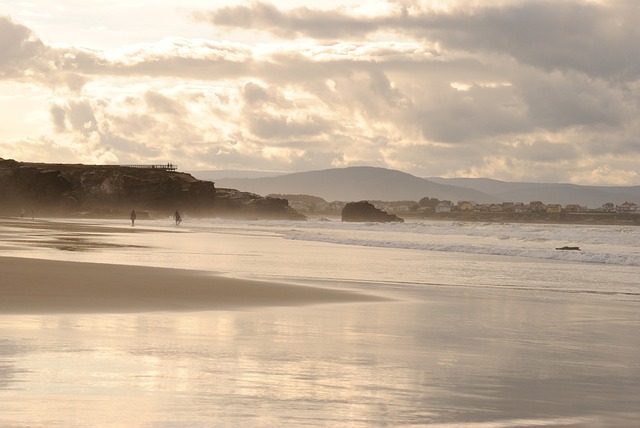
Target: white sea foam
[[598, 244], [432, 253]]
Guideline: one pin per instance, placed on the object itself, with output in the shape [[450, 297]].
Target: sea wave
[[598, 244], [611, 245]]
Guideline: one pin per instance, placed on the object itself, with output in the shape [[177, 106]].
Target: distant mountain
[[549, 193], [355, 184], [217, 174]]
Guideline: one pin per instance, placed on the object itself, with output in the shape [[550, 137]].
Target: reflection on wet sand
[[454, 359], [94, 344]]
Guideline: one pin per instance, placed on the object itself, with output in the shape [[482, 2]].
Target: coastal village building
[[627, 208], [509, 207], [537, 206], [443, 207], [574, 208], [466, 206]]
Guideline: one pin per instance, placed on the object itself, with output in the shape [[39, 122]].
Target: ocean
[[487, 325]]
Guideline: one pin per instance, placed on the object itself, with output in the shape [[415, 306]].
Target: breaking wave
[[613, 245]]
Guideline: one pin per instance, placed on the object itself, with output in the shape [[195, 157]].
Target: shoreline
[[38, 286], [587, 219]]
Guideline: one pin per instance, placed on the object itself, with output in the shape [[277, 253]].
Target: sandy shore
[[33, 285], [94, 340], [45, 286]]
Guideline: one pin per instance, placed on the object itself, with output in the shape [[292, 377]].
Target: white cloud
[[508, 89]]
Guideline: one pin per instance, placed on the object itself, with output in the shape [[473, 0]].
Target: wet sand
[[34, 285], [111, 345], [46, 286]]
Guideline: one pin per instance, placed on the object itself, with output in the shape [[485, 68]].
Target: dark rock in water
[[565, 248], [365, 211], [113, 191]]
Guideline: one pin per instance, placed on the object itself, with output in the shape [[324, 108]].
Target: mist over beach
[[283, 213]]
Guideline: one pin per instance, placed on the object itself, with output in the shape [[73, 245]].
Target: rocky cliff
[[108, 190], [366, 211]]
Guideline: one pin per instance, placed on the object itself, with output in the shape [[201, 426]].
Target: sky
[[515, 90]]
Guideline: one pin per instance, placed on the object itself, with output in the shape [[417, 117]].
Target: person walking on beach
[[133, 217], [177, 218]]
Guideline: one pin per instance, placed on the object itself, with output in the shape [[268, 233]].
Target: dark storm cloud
[[598, 40], [298, 22], [558, 100]]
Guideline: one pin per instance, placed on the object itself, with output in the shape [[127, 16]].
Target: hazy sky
[[518, 90]]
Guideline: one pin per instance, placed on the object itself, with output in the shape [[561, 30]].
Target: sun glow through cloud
[[431, 87]]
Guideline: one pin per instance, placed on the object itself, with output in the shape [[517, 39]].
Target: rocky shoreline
[[112, 191], [39, 189]]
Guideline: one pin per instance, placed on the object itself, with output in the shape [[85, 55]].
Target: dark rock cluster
[[365, 211]]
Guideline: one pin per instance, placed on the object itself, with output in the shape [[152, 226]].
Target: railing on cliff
[[166, 167]]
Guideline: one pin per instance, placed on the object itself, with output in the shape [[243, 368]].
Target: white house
[[443, 207]]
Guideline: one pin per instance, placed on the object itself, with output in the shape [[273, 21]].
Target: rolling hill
[[371, 183], [353, 184]]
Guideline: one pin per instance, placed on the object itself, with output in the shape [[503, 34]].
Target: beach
[[102, 324], [45, 286]]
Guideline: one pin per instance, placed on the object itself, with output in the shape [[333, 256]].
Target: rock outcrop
[[365, 211], [110, 191], [233, 203]]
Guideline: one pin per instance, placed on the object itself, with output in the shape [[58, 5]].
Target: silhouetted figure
[[133, 217], [177, 218]]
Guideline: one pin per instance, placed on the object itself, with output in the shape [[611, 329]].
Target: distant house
[[627, 208], [509, 207], [466, 205], [520, 207], [537, 206], [443, 207], [574, 208], [554, 208]]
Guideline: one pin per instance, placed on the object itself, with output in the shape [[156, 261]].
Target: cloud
[[298, 22], [505, 90], [592, 38], [21, 52], [589, 38], [24, 57], [163, 104]]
